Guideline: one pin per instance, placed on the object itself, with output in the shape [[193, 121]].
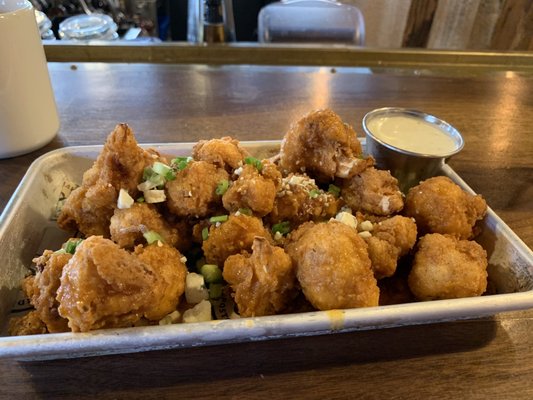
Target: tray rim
[[140, 339]]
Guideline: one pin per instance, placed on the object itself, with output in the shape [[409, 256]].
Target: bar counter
[[478, 358]]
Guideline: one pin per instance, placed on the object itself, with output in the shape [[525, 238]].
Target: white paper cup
[[28, 113]]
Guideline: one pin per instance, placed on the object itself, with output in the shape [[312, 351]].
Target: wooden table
[[485, 358]]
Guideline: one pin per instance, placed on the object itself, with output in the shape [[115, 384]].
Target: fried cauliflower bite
[[104, 286], [447, 268], [120, 165], [440, 206], [323, 146], [332, 266], [263, 282], [390, 239], [231, 237], [253, 190], [128, 225], [299, 200], [373, 191], [168, 263], [193, 192], [28, 324], [225, 152], [42, 289]]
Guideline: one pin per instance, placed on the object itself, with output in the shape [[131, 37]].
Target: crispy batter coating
[[193, 192], [440, 206], [231, 237], [104, 286], [447, 268], [42, 289], [253, 190], [28, 324], [299, 200], [120, 165], [391, 239], [168, 265], [323, 146], [128, 225], [332, 266], [373, 191], [263, 282], [224, 152]]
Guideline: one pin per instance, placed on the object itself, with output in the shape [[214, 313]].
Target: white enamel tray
[[26, 228]]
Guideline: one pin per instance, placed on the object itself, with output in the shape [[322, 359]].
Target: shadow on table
[[194, 367]]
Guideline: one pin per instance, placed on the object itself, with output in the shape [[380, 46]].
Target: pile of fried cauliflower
[[316, 227]]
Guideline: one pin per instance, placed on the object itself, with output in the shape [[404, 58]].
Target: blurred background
[[434, 24]]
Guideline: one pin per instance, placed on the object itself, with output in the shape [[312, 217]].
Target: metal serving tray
[[27, 227]]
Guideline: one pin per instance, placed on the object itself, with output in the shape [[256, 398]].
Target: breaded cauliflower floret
[[299, 199], [263, 282], [253, 190], [440, 206], [104, 286], [225, 152], [448, 268], [128, 225], [120, 165], [233, 236], [42, 289], [193, 192], [332, 266], [390, 239], [323, 146], [373, 191]]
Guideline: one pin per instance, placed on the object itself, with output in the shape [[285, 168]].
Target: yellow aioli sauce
[[412, 134]]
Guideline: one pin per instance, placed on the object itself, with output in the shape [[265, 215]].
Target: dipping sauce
[[412, 134]]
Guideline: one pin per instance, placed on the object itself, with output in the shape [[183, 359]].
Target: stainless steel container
[[408, 166]]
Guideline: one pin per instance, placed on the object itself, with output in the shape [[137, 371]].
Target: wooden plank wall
[[448, 24]]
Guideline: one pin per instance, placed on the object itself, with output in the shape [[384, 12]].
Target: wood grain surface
[[485, 358]]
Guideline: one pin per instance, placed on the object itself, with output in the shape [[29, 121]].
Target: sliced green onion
[[334, 190], [140, 199], [245, 211], [148, 173], [152, 237], [255, 162], [215, 290], [181, 162], [211, 273], [170, 175], [160, 168], [314, 193], [282, 227], [205, 233], [71, 245], [60, 251], [222, 186], [218, 218]]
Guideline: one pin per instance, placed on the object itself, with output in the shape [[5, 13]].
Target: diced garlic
[[238, 171], [171, 318], [366, 226], [365, 234], [146, 185], [124, 200], [195, 290], [347, 219], [154, 196], [201, 312]]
